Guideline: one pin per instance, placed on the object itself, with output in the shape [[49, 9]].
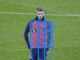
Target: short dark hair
[[39, 9]]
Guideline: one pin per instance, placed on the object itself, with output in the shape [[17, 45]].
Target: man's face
[[40, 14]]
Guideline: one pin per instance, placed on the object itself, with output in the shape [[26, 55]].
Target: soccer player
[[34, 55]]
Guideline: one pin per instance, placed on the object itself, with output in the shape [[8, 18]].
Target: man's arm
[[26, 35]]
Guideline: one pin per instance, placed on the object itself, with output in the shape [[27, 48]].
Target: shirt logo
[[34, 30]]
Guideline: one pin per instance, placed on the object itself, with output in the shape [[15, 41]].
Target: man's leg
[[41, 55], [33, 54], [30, 56]]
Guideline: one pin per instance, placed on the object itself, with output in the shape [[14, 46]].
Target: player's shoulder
[[49, 21], [31, 20]]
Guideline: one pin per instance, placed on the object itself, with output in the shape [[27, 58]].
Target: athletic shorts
[[34, 54]]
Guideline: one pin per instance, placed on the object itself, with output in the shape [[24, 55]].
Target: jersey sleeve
[[26, 35]]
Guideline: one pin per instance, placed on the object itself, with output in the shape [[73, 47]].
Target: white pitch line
[[35, 14], [17, 13], [63, 15]]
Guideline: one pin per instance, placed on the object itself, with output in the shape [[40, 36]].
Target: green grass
[[66, 28]]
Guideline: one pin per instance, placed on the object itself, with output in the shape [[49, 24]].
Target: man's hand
[[48, 52]]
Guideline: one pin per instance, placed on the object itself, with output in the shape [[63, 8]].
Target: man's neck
[[39, 19]]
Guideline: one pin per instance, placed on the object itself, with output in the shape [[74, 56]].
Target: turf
[[66, 28]]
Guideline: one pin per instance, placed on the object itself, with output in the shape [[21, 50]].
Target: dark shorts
[[34, 54]]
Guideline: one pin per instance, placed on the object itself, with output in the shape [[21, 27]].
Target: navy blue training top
[[27, 30]]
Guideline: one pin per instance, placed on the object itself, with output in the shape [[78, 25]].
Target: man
[[34, 52]]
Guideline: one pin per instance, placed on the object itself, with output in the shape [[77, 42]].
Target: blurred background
[[15, 14]]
